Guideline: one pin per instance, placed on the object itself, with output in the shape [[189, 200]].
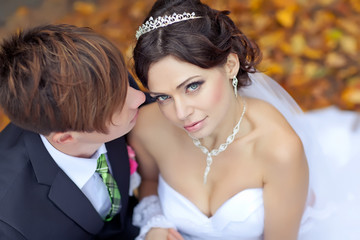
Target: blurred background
[[311, 47]]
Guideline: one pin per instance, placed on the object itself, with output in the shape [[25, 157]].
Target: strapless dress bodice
[[240, 217]]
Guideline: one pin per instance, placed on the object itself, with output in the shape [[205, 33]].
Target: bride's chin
[[198, 134]]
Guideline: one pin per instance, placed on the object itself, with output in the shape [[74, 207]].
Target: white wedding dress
[[332, 144]]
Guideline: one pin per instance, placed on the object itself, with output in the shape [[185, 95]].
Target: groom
[[65, 90]]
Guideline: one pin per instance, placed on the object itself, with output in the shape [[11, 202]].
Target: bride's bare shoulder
[[150, 121], [266, 117], [276, 139]]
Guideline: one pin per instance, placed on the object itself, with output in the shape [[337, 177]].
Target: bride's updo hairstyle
[[205, 41]]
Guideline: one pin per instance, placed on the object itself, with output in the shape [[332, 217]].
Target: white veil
[[265, 88], [336, 213]]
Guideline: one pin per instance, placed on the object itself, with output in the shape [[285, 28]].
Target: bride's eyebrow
[[177, 87], [186, 81], [155, 93]]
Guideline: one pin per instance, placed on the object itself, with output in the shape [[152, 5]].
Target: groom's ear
[[232, 65], [61, 137]]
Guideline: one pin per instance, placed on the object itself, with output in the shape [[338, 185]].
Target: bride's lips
[[195, 126]]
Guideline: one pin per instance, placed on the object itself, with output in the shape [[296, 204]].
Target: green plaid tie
[[114, 193]]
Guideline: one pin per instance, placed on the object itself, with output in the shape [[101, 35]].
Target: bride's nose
[[183, 109]]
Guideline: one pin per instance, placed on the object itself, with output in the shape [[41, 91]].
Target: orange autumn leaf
[[324, 18], [255, 4], [22, 11], [351, 96], [3, 120], [347, 72], [84, 8], [355, 4]]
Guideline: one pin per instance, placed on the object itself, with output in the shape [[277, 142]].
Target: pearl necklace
[[222, 147]]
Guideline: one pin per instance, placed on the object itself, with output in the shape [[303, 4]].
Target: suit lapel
[[63, 192], [66, 195]]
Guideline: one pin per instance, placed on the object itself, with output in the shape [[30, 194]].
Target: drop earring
[[235, 83]]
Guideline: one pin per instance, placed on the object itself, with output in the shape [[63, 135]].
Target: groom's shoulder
[[10, 137]]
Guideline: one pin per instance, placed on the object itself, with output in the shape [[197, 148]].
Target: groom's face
[[122, 122]]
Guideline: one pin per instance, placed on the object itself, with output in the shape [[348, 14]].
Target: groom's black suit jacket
[[38, 201]]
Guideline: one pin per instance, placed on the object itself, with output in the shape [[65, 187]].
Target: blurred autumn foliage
[[311, 47]]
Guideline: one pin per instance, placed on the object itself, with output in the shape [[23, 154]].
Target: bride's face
[[191, 97]]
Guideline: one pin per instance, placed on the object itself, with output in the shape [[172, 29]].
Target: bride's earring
[[235, 83]]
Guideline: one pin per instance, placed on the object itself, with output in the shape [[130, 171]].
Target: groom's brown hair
[[58, 78]]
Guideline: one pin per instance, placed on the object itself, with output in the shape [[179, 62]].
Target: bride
[[226, 153]]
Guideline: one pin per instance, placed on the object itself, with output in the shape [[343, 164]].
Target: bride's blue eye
[[161, 98], [193, 86]]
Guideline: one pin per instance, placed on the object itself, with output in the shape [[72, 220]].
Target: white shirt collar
[[79, 170]]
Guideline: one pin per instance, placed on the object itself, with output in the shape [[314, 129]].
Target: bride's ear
[[232, 65]]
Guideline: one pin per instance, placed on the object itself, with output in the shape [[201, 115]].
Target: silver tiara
[[163, 21]]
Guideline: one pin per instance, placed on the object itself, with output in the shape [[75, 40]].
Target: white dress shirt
[[82, 172]]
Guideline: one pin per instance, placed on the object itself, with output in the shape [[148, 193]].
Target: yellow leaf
[[313, 53], [296, 80], [255, 4], [84, 7], [262, 21], [334, 34], [349, 45], [285, 17], [274, 68], [351, 96], [326, 2], [286, 48], [272, 39], [283, 4], [349, 25], [332, 37], [311, 69], [298, 44], [335, 60]]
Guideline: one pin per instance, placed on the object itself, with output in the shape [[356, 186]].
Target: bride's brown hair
[[205, 42]]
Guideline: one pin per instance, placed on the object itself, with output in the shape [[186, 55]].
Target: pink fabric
[[132, 161]]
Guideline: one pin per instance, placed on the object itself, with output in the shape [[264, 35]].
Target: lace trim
[[148, 214]]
